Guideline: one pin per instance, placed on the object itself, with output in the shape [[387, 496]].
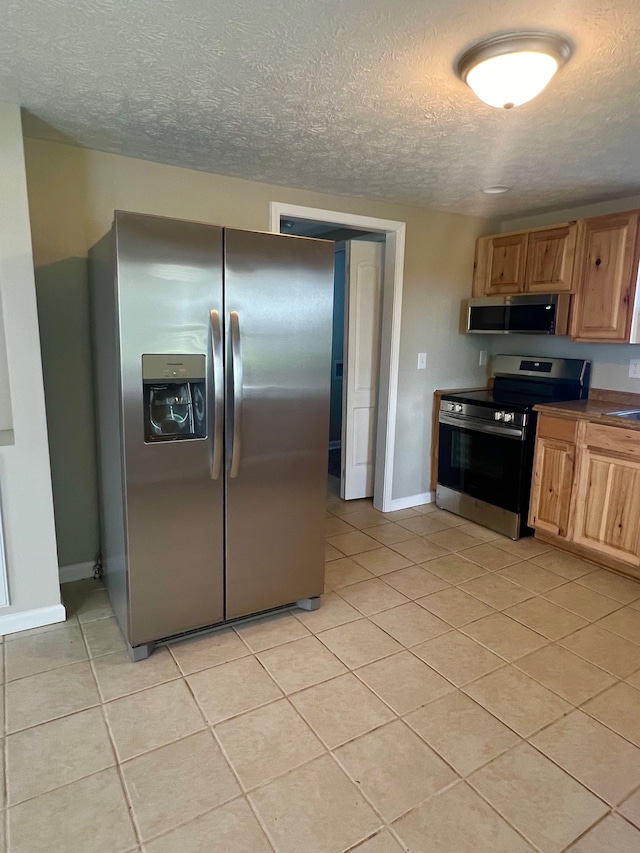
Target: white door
[[362, 356]]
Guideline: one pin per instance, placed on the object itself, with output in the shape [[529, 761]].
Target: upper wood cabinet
[[500, 264], [550, 259], [535, 261], [607, 273]]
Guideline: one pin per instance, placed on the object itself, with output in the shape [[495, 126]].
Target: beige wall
[[610, 362], [73, 193], [63, 310], [25, 480], [583, 211]]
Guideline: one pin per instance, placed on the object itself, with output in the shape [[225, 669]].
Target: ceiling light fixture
[[497, 190], [509, 70]]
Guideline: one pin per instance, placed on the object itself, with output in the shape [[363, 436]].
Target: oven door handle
[[474, 425]]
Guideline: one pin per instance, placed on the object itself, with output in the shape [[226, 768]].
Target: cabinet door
[[500, 262], [607, 516], [606, 273], [553, 470], [550, 257]]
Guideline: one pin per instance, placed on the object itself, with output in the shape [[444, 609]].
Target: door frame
[[395, 233]]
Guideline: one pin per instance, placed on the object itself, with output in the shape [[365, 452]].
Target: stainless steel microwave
[[521, 314]]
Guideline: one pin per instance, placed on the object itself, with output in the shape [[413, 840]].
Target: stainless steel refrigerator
[[212, 352]]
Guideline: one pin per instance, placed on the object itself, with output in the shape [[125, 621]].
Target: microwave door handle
[[236, 380], [218, 395]]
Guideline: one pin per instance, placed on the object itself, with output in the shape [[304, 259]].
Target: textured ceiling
[[356, 97]]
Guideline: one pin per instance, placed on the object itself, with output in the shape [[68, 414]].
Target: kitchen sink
[[631, 414]]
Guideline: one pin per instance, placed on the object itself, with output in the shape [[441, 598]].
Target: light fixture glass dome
[[510, 70]]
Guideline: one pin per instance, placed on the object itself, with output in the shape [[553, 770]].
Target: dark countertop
[[595, 409]]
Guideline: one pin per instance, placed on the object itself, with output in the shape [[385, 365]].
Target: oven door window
[[484, 466]]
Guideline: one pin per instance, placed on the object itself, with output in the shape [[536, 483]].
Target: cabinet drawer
[[561, 429], [617, 440]]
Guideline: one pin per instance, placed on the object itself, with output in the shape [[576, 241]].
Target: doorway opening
[[368, 293], [355, 356]]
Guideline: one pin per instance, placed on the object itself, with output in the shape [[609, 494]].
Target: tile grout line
[[115, 765], [66, 665], [605, 724], [405, 647], [121, 765], [609, 631], [243, 793], [587, 831], [67, 784], [326, 749], [610, 806], [460, 779], [165, 832], [243, 789], [125, 790], [358, 787], [465, 776], [548, 642], [600, 666], [504, 817], [619, 814], [237, 714]]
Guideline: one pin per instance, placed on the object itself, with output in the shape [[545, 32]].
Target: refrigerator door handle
[[236, 378], [218, 395]]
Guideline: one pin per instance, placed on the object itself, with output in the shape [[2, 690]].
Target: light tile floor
[[456, 692]]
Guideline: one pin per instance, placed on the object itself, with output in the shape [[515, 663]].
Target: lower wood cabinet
[[607, 498], [586, 490], [553, 475]]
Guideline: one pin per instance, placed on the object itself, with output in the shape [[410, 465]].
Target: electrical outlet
[[422, 361], [482, 360], [634, 368]]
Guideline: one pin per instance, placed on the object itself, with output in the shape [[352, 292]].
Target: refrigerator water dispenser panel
[[174, 397]]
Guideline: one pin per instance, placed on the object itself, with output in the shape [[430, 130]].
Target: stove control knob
[[458, 408], [451, 407], [509, 417], [498, 416]]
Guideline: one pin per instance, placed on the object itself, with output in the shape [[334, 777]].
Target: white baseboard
[[411, 500], [13, 622], [75, 572]]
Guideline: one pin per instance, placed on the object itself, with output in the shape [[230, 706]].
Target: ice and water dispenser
[[174, 394]]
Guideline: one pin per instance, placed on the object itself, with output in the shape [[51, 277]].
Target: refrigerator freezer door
[[278, 310], [169, 277]]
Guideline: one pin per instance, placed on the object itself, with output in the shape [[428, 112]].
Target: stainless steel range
[[487, 438]]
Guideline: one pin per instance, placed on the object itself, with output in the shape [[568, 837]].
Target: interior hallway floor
[[456, 692]]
